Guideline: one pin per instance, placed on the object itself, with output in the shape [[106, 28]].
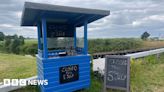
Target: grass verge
[[147, 74], [16, 66]]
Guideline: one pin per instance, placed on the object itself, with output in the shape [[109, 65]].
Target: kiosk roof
[[33, 12]]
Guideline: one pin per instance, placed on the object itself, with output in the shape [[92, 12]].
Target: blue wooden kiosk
[[66, 68]]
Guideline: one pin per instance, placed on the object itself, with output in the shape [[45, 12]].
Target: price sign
[[59, 30], [117, 72], [69, 73]]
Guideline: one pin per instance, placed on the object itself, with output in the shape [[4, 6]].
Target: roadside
[[146, 74]]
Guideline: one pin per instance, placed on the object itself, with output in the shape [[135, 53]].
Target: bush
[[2, 36], [29, 49], [15, 46], [7, 45], [95, 45], [106, 45], [1, 46]]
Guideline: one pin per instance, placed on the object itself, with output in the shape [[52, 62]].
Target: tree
[[15, 36], [2, 36], [21, 38], [7, 44], [13, 43], [15, 46], [145, 35]]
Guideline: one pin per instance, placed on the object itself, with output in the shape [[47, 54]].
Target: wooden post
[[104, 86], [75, 38], [44, 35], [39, 35], [85, 38]]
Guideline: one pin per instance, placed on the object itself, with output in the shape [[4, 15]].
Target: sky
[[128, 18]]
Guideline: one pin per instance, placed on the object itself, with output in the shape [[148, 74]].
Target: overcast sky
[[128, 18]]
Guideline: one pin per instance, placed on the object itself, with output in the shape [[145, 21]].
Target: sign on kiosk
[[69, 73]]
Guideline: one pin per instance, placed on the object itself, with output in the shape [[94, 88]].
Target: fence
[[99, 64]]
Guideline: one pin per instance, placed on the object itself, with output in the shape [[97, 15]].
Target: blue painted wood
[[56, 79], [55, 68], [68, 87], [53, 82], [65, 63], [85, 38], [49, 69], [40, 53], [52, 74], [75, 37], [66, 58], [45, 50], [33, 12], [39, 35]]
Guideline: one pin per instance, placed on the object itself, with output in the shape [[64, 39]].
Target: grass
[[16, 66], [147, 74], [151, 44], [28, 89], [30, 41]]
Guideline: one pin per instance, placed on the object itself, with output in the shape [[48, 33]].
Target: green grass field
[[16, 66], [147, 74], [31, 41]]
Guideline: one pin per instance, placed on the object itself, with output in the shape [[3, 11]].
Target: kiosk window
[[80, 37], [60, 43]]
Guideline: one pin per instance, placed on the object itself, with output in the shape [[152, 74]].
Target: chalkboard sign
[[59, 30], [69, 73], [117, 72]]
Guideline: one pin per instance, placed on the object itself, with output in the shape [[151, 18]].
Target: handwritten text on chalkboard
[[114, 74], [117, 72], [59, 30], [69, 73]]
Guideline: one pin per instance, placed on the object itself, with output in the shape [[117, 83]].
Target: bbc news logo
[[23, 82]]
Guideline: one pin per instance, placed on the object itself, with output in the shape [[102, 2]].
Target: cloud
[[129, 18], [18, 14], [6, 25], [153, 21]]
